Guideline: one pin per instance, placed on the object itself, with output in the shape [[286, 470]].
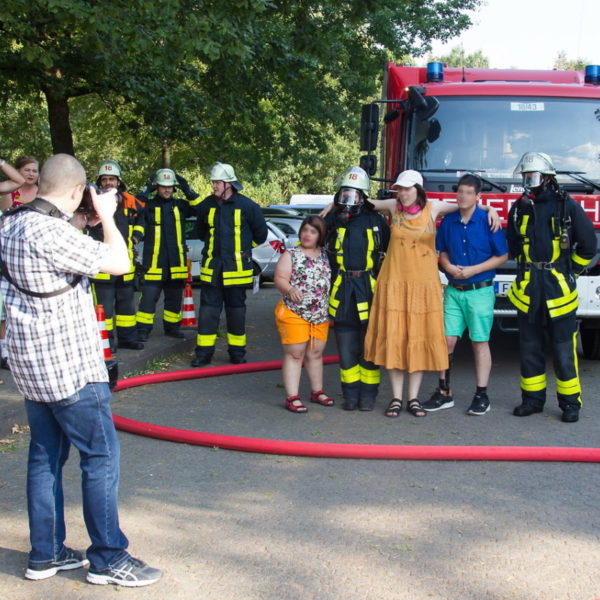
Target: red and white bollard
[[101, 318], [189, 312]]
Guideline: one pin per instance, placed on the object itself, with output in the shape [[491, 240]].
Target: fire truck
[[445, 122]]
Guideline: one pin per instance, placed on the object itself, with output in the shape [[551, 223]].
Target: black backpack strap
[[48, 209]]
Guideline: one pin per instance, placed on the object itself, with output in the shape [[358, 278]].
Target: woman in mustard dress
[[406, 324]]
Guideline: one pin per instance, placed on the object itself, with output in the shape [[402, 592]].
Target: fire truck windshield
[[489, 134]]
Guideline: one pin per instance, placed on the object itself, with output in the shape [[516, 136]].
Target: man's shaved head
[[60, 174]]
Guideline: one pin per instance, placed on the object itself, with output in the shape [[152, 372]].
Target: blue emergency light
[[592, 74], [435, 72]]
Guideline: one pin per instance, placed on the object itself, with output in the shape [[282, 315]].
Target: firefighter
[[164, 260], [357, 239], [230, 224], [117, 292], [553, 241]]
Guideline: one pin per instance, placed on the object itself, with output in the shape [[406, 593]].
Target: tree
[[564, 64], [459, 58], [261, 83]]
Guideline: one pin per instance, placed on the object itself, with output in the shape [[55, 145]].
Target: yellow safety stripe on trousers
[[373, 283], [110, 324], [206, 340], [576, 363], [237, 241], [154, 272], [363, 310], [180, 241], [339, 247], [533, 384], [125, 320], [568, 388], [146, 318], [139, 229], [333, 301], [236, 340], [171, 317], [579, 260], [371, 376], [351, 375], [206, 272], [370, 247]]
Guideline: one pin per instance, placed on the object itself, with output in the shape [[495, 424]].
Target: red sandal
[[327, 401], [295, 408]]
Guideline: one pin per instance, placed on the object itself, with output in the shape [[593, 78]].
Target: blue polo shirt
[[470, 243]]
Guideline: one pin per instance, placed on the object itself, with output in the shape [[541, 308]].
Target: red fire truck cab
[[444, 122]]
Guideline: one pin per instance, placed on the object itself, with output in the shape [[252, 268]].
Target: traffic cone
[[189, 266], [189, 312], [100, 317]]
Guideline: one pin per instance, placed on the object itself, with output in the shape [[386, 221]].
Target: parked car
[[289, 224], [264, 257], [300, 209], [279, 209]]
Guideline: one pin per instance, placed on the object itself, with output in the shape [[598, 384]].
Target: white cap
[[408, 179]]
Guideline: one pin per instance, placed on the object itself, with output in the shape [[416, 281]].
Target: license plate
[[501, 287]]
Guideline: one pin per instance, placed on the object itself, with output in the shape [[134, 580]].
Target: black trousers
[[173, 299], [563, 340], [212, 300], [359, 377], [118, 299]]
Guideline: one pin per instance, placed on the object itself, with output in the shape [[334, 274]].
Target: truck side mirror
[[368, 162], [369, 127]]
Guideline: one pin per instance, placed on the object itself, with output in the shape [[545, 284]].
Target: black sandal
[[415, 408], [394, 408]]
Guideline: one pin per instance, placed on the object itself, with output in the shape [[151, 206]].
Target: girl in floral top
[[303, 277]]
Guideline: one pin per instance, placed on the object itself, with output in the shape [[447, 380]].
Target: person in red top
[[13, 183], [28, 169]]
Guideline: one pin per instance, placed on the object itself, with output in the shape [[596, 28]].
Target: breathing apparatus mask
[[348, 202]]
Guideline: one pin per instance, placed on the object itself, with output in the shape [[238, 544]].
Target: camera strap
[[48, 209]]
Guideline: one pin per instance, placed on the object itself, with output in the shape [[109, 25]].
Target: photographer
[[56, 359]]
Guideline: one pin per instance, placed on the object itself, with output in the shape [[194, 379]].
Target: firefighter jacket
[[127, 217], [229, 229], [355, 250], [162, 227], [553, 241]]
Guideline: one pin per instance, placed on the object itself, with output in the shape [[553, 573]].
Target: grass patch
[[158, 365]]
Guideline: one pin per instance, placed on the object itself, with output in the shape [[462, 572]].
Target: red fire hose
[[231, 442]]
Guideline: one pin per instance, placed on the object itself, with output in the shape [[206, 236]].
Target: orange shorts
[[295, 330]]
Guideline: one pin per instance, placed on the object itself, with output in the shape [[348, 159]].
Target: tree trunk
[[60, 126], [166, 155]]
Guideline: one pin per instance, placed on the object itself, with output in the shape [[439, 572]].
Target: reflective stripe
[[139, 229], [363, 310], [370, 247], [351, 375], [565, 310], [562, 300], [371, 376], [205, 272], [533, 384], [555, 249], [237, 242], [580, 260], [129, 276], [125, 320], [206, 340], [180, 241], [171, 317], [110, 323], [562, 282], [154, 272], [373, 283], [238, 280], [339, 247], [236, 340], [523, 232], [179, 272], [333, 301], [576, 363], [146, 318], [568, 388], [101, 277]]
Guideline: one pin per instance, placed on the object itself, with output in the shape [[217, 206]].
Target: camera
[[86, 206]]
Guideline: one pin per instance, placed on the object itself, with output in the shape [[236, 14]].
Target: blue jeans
[[84, 420]]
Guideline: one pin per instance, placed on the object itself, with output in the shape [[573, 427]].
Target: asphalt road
[[231, 525]]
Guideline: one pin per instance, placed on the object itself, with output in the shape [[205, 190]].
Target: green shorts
[[472, 310]]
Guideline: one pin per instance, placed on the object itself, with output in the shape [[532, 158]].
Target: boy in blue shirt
[[469, 254]]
